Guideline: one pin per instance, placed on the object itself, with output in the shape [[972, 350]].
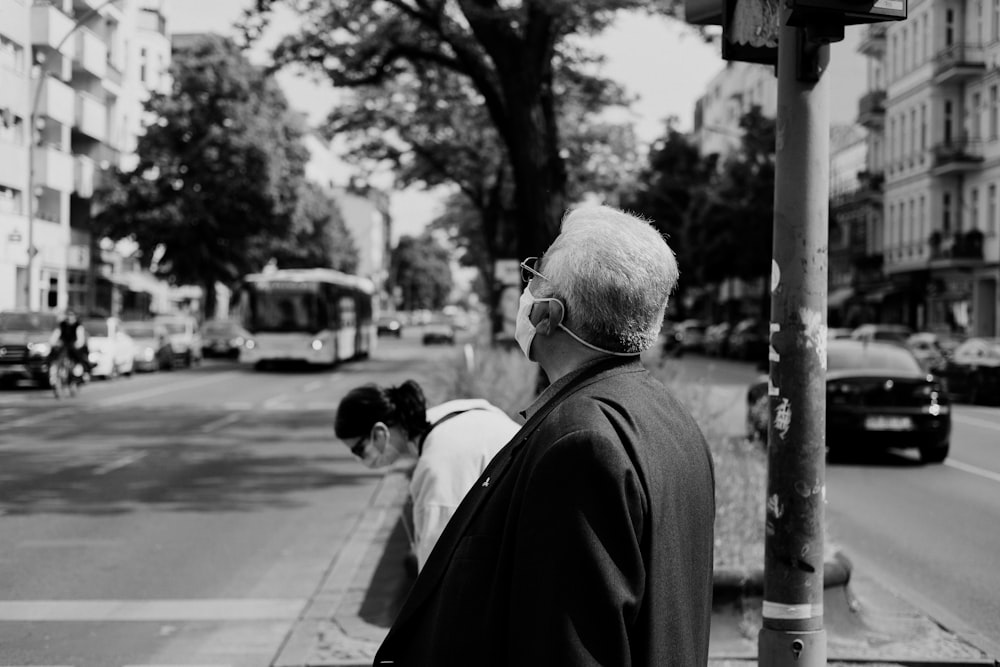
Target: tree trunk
[[208, 302]]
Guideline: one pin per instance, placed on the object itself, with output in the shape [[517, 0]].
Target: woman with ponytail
[[451, 442]]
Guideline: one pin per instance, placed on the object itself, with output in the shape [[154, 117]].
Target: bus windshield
[[287, 311]]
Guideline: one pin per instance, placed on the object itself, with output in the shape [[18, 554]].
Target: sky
[[661, 62]]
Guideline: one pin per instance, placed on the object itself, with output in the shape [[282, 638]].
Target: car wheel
[[935, 454]]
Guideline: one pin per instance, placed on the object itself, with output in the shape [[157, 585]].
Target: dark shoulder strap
[[420, 445]]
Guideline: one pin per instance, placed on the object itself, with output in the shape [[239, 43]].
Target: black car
[[389, 325], [24, 346], [972, 372], [222, 338], [438, 332], [877, 397]]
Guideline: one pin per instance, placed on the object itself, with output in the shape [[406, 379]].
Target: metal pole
[[792, 631], [32, 113]]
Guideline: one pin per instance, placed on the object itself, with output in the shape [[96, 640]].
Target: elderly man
[[588, 538]]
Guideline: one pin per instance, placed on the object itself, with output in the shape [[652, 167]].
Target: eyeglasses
[[359, 447], [528, 269]]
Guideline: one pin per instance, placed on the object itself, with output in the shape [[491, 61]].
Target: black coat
[[587, 540]]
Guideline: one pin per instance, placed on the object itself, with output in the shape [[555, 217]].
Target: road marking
[[165, 389], [313, 386], [31, 420], [277, 403], [119, 463], [236, 609], [965, 467], [219, 423], [972, 421]]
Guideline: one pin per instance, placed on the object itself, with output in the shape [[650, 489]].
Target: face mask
[[524, 331]]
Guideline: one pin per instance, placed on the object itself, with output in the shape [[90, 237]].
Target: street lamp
[[36, 98]]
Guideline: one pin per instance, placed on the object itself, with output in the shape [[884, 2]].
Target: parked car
[[389, 325], [685, 336], [223, 338], [112, 351], [153, 351], [877, 397], [717, 339], [928, 350], [24, 346], [185, 337], [438, 331], [833, 333], [749, 340], [892, 333], [972, 372]]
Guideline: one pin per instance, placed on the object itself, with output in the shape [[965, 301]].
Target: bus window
[[347, 315]]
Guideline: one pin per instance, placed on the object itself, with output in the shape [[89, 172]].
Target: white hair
[[614, 272]]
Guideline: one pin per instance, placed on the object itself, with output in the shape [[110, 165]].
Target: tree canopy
[[717, 213], [506, 51], [421, 270], [215, 193]]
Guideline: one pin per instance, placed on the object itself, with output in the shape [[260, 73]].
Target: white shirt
[[454, 455]]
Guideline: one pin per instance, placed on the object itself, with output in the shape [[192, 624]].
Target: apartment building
[[70, 105], [933, 103]]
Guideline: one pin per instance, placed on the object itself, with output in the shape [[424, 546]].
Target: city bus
[[316, 316]]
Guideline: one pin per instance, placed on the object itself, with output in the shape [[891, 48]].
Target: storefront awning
[[838, 297]]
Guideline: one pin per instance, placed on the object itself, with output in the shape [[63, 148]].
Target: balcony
[[84, 173], [49, 26], [91, 54], [14, 167], [56, 101], [958, 155], [872, 43], [14, 85], [53, 169], [871, 109], [958, 62], [871, 185], [91, 117], [959, 249]]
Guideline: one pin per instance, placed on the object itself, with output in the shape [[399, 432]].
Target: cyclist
[[69, 335]]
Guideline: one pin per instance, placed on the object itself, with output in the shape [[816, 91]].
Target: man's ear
[[552, 316]]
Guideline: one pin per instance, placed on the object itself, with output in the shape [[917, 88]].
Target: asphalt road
[[186, 517], [181, 517]]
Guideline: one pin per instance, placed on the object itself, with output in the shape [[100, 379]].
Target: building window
[[11, 55], [974, 129], [947, 122], [974, 208], [10, 200], [923, 125], [11, 127], [994, 118], [949, 28], [142, 65], [946, 213], [922, 222], [991, 209], [996, 20]]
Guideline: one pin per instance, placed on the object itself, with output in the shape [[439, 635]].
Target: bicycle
[[63, 376]]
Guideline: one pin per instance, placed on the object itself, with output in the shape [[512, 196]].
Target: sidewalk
[[866, 623]]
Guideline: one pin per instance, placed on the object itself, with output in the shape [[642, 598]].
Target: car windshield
[[140, 329], [97, 328], [174, 327], [979, 349], [27, 322], [840, 357], [218, 328]]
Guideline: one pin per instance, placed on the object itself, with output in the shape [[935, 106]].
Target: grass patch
[[506, 379]]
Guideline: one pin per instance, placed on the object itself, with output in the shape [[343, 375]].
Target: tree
[[318, 237], [420, 268], [218, 175], [506, 50]]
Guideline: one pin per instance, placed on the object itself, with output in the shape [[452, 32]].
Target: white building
[[933, 87], [67, 67]]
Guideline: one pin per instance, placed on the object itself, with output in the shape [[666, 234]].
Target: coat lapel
[[441, 555]]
